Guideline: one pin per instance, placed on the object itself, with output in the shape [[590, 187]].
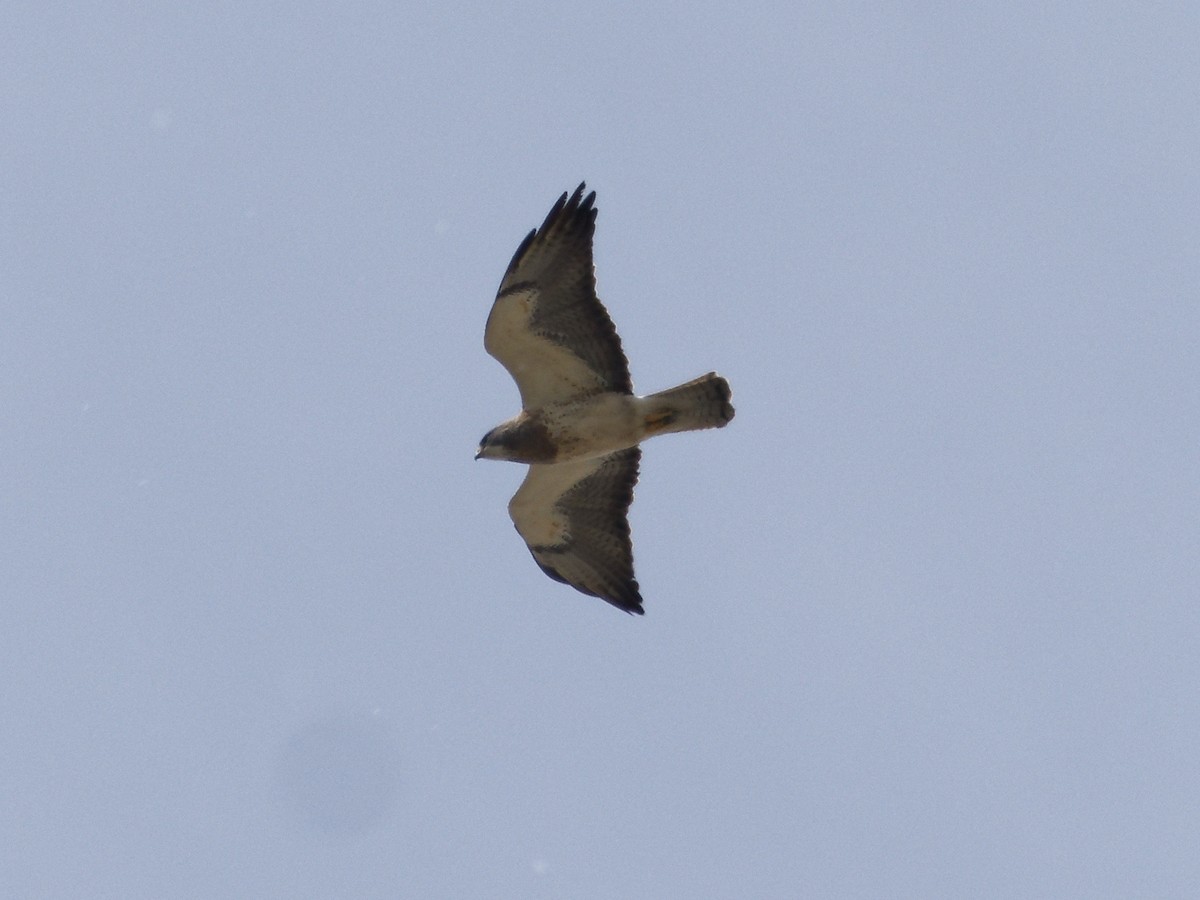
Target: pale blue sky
[[922, 622]]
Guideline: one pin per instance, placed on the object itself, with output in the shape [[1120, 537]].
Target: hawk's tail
[[701, 403]]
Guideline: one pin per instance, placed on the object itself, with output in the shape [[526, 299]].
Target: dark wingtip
[[578, 200], [575, 208], [516, 257], [582, 206], [629, 599]]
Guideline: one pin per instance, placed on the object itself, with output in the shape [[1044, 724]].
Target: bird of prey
[[580, 423]]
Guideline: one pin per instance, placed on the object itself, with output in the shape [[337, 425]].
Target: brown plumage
[[581, 423]]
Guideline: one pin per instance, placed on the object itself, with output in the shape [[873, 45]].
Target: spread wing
[[547, 326], [573, 516]]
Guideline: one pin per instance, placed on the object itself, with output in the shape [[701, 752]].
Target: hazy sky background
[[922, 622]]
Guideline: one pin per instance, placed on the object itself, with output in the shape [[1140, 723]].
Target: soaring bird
[[580, 423]]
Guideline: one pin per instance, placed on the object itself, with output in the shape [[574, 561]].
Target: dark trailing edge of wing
[[630, 599]]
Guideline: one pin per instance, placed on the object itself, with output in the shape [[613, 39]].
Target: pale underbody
[[578, 429]]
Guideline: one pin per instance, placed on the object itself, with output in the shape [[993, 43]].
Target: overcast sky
[[922, 622]]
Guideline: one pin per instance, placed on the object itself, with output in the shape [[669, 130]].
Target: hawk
[[580, 423]]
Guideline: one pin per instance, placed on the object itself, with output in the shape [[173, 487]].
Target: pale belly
[[595, 426]]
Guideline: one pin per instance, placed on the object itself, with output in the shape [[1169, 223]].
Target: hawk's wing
[[573, 516], [547, 326]]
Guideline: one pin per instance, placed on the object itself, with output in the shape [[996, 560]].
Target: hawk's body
[[581, 422]]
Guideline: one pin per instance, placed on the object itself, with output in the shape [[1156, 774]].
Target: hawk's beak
[[478, 453]]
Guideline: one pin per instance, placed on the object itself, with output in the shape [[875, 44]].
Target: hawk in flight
[[580, 422]]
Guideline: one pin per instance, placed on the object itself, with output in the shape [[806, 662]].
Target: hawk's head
[[494, 445], [523, 439]]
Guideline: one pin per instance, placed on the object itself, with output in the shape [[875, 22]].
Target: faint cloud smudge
[[338, 775]]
